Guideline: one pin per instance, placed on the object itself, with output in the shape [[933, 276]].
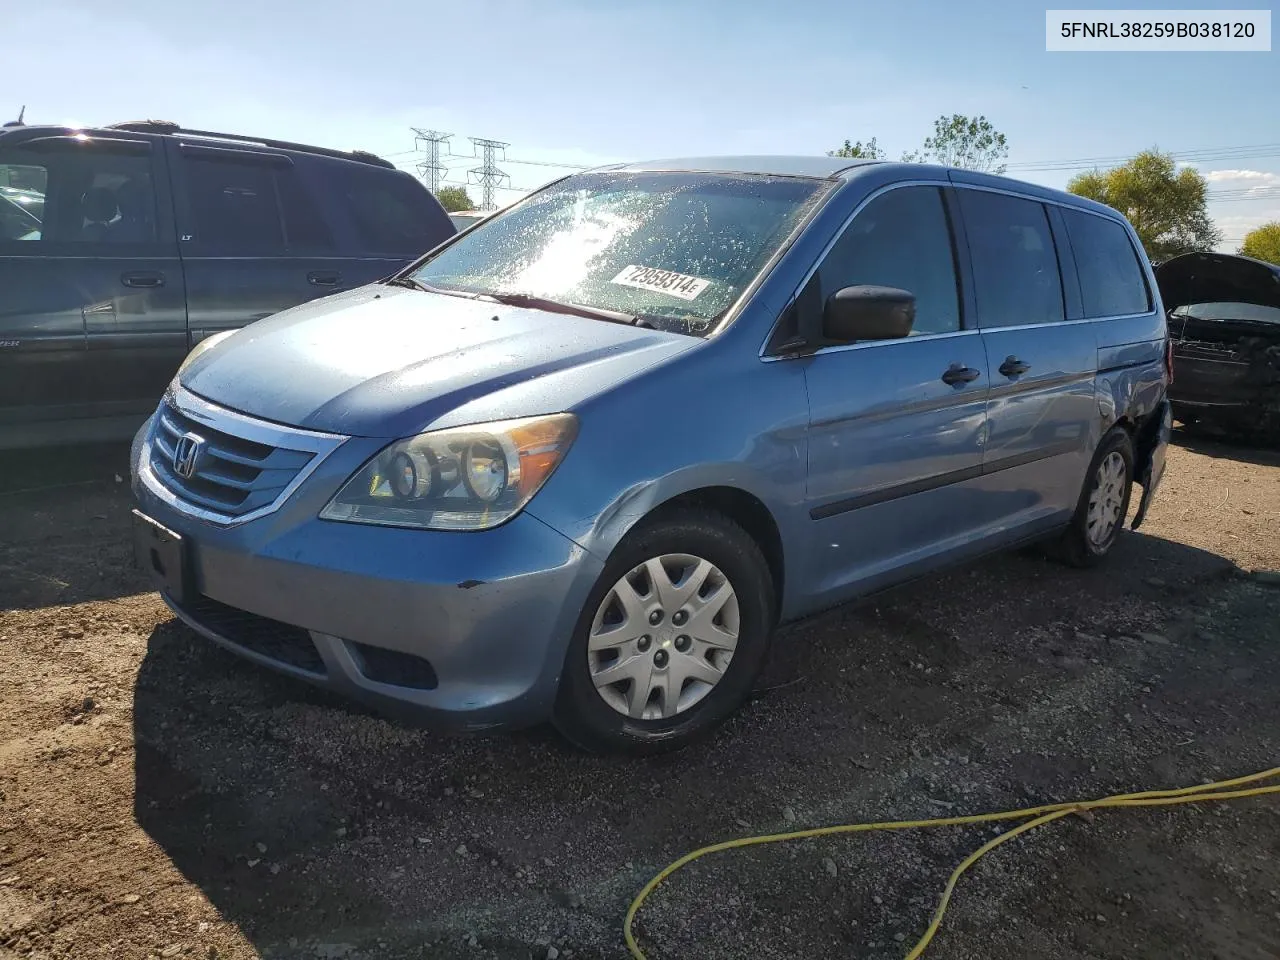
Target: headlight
[[202, 346], [465, 478]]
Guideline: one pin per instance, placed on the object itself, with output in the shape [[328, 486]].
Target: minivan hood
[[384, 361], [1217, 278]]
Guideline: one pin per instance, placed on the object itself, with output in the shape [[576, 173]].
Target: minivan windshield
[[673, 250]]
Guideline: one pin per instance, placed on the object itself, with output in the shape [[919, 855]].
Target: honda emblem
[[186, 454]]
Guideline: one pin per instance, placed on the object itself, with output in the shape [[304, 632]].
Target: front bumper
[[1231, 391], [484, 618]]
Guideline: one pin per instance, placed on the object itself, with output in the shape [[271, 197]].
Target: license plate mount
[[163, 554]]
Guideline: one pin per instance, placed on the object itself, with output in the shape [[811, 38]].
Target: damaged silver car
[[1224, 324]]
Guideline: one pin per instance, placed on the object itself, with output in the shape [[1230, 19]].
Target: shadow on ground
[[323, 831]]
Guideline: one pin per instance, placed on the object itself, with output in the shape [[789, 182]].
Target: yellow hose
[[1035, 817]]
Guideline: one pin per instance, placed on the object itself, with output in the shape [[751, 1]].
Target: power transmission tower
[[487, 174], [431, 168]]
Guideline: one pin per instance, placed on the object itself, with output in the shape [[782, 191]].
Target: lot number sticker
[[664, 281]]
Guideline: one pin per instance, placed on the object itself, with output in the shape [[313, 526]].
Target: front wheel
[[1103, 504], [671, 638]]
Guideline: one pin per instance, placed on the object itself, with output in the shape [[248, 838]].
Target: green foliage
[[454, 199], [858, 150], [968, 142], [1263, 243], [957, 141], [1165, 205]]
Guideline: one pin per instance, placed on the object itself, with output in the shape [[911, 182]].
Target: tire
[[1078, 546], [656, 705]]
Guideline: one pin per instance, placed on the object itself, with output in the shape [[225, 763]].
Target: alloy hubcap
[[663, 636], [1106, 498]]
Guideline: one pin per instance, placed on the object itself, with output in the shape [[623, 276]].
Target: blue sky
[[583, 82]]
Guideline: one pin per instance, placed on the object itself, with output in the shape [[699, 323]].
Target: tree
[[859, 150], [968, 142], [454, 199], [1263, 243], [1165, 205]]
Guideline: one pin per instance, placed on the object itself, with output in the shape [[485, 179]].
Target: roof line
[[862, 162]]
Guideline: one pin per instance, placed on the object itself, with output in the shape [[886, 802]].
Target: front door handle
[[324, 278], [1013, 367], [144, 280], [958, 374]]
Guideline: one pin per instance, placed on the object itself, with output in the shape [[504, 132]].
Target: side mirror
[[868, 312]]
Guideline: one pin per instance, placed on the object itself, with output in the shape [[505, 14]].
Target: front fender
[[640, 500], [710, 418]]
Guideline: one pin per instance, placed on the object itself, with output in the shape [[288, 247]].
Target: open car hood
[[1217, 278]]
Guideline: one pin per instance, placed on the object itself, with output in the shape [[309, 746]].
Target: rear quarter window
[[391, 214], [1112, 282]]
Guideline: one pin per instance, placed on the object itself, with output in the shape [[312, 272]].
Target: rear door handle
[[958, 374], [1013, 367], [144, 280], [324, 278]]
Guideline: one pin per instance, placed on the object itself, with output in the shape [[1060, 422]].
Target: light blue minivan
[[579, 462]]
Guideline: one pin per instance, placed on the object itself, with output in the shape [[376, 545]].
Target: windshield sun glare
[[674, 248]]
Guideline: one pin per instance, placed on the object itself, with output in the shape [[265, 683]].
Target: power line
[[1270, 196], [491, 179], [1257, 151], [549, 163], [1229, 191]]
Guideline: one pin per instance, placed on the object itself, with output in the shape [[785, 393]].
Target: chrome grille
[[245, 466]]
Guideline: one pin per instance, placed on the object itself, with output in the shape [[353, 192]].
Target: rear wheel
[[1103, 504], [671, 638]]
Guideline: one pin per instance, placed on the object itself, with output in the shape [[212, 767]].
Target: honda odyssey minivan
[[579, 462]]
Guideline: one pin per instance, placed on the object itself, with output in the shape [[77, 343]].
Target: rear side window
[[305, 229], [392, 214], [900, 239], [1112, 283], [233, 207], [247, 208], [1015, 265]]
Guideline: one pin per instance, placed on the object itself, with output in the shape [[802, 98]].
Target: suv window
[[900, 239], [71, 191], [305, 229], [1112, 283], [249, 208], [392, 214], [1015, 265]]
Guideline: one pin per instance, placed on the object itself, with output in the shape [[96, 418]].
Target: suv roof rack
[[169, 127]]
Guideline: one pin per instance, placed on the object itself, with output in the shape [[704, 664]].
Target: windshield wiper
[[531, 301], [558, 306], [414, 284], [409, 282]]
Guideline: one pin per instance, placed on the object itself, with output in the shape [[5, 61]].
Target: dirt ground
[[159, 798]]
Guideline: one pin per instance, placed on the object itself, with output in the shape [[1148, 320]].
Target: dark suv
[[122, 247]]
